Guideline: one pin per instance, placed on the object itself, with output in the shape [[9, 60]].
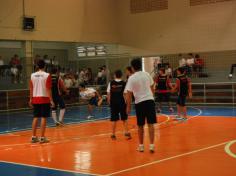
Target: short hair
[[118, 74], [82, 85], [197, 56], [41, 64], [129, 69], [181, 70], [136, 63]]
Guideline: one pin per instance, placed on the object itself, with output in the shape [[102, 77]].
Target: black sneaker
[[43, 140], [34, 139], [128, 136], [113, 137]]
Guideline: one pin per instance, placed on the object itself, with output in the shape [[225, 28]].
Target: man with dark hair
[[57, 87], [163, 87], [184, 88], [40, 99], [115, 98], [141, 85]]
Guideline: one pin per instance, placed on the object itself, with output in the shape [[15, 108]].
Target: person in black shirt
[[163, 87], [57, 88], [115, 98], [184, 88]]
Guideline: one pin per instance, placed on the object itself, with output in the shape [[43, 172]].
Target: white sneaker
[[230, 75], [89, 117], [152, 148], [141, 148]]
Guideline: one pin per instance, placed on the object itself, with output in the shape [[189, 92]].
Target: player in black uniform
[[115, 98], [163, 88], [184, 88], [57, 87]]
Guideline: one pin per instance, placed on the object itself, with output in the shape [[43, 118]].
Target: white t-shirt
[[182, 62], [140, 85], [88, 93], [68, 83]]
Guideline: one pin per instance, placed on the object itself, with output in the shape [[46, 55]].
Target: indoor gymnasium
[[117, 87]]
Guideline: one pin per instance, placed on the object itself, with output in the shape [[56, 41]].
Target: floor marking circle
[[228, 150]]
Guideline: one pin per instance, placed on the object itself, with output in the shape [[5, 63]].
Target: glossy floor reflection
[[197, 147]]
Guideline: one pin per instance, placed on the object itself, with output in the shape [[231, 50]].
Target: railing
[[223, 93]]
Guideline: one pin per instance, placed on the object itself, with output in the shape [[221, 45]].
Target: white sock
[[61, 115], [54, 116]]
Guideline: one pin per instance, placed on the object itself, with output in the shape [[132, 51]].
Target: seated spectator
[[16, 69], [81, 76], [68, 81]]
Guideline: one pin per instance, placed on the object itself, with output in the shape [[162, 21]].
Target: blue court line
[[15, 169], [12, 122]]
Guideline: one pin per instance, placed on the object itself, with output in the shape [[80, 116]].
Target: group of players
[[46, 90]]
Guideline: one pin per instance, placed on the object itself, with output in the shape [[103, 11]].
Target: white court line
[[167, 159], [77, 138], [51, 168], [228, 150]]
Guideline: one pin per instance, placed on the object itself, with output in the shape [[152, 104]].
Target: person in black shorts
[[57, 88], [184, 88], [163, 88], [40, 100], [141, 85], [115, 98]]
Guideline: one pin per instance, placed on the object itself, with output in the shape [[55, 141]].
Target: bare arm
[[128, 101], [190, 89]]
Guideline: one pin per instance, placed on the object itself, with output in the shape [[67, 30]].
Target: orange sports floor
[[202, 146]]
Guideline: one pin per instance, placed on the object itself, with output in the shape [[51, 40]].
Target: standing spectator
[[40, 99], [169, 71], [62, 73], [189, 64], [182, 61], [1, 66], [81, 76], [141, 85], [36, 59], [199, 64], [128, 72], [99, 76]]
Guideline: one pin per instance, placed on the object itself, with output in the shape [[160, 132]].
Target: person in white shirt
[[68, 82], [141, 85], [93, 97]]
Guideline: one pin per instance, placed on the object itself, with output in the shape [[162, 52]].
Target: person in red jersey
[[40, 100]]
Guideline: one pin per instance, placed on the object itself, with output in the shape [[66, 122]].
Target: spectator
[[128, 72], [81, 76], [62, 73], [68, 81], [169, 71], [199, 64], [1, 66], [16, 69], [189, 64], [99, 76], [182, 61]]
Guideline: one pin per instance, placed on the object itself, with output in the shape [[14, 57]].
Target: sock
[[54, 116], [61, 115]]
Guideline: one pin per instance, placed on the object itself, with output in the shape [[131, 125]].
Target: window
[[201, 2], [140, 6]]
